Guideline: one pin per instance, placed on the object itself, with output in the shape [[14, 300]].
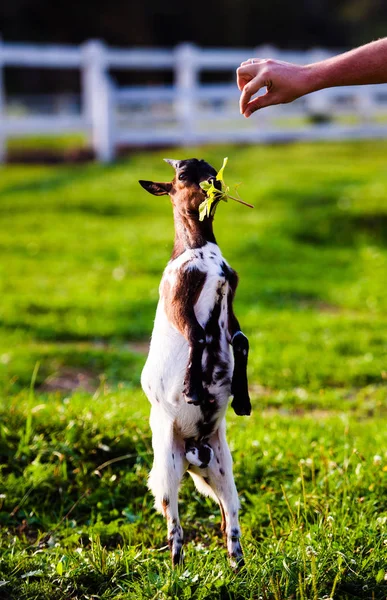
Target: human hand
[[284, 82]]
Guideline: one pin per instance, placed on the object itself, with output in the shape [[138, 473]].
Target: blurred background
[[82, 250], [332, 24], [113, 78], [243, 23], [85, 81]]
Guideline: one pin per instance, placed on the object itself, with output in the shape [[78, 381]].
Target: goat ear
[[156, 188]]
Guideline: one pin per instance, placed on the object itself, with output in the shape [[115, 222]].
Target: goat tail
[[199, 454]]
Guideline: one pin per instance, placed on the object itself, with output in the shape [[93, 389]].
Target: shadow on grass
[[353, 589], [287, 274], [319, 218], [59, 177], [102, 208], [68, 367], [341, 229], [131, 323]]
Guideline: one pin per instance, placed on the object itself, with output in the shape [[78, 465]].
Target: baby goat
[[191, 371]]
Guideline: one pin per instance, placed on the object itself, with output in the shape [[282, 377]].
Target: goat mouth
[[217, 185], [217, 197]]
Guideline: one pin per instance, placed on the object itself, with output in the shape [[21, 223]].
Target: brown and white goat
[[191, 371]]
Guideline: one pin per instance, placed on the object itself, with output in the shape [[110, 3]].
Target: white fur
[[165, 368], [172, 419]]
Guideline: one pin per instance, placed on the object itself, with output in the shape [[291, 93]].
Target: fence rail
[[188, 111]]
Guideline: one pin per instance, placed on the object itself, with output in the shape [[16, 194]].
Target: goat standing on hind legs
[[191, 371]]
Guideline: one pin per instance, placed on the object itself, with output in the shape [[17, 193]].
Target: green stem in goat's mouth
[[208, 206]]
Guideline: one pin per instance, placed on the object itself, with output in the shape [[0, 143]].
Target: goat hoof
[[242, 408], [178, 559], [235, 554], [193, 397], [237, 563]]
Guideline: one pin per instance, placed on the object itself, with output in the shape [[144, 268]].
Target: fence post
[[97, 99], [365, 103], [186, 81], [266, 51], [3, 133]]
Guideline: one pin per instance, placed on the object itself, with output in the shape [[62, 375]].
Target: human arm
[[286, 81]]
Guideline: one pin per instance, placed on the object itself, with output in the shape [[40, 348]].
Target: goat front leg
[[181, 296], [239, 386], [240, 344], [193, 381], [164, 480]]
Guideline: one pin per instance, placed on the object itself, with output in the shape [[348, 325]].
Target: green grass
[[82, 251], [64, 142]]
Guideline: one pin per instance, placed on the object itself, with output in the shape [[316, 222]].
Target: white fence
[[188, 111]]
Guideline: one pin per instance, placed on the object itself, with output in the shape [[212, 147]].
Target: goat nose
[[217, 184]]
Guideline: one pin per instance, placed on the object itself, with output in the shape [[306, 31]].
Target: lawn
[[82, 251]]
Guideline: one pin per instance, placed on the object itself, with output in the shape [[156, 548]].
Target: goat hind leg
[[165, 490], [164, 481], [220, 478], [175, 531]]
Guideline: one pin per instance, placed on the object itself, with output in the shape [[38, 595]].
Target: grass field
[[82, 251]]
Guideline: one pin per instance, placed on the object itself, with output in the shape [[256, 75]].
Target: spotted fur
[[190, 372]]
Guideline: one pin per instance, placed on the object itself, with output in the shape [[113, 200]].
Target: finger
[[251, 88], [242, 80], [267, 99], [251, 61], [244, 75]]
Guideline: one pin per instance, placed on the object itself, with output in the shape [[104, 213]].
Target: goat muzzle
[[216, 182]]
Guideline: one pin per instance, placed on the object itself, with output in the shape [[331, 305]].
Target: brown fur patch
[[165, 504], [180, 298]]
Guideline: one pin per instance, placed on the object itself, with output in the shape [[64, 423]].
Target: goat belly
[[163, 374], [218, 360], [211, 311]]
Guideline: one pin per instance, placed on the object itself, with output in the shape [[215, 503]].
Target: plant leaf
[[208, 206], [219, 176], [202, 210], [205, 185], [380, 576]]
